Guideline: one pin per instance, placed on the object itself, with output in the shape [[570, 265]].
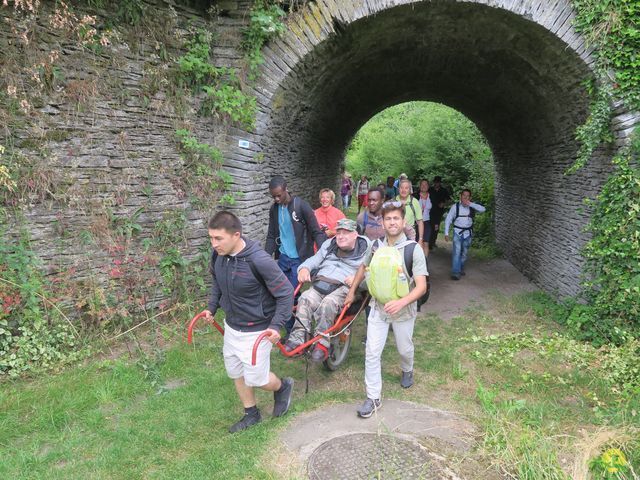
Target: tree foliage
[[423, 140]]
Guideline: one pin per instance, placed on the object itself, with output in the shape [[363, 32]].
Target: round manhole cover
[[369, 456]]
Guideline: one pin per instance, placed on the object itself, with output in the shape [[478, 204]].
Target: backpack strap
[[413, 209], [298, 211], [363, 226], [409, 247], [408, 257], [471, 215], [252, 267]]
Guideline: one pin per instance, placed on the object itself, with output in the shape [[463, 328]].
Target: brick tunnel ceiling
[[517, 81]]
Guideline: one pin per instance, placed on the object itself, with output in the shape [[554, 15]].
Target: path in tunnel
[[450, 298]]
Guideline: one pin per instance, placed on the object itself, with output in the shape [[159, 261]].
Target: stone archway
[[514, 68]]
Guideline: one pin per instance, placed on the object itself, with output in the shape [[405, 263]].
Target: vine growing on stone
[[612, 27], [265, 24]]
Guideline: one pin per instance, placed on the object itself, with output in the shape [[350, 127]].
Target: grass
[[534, 405]]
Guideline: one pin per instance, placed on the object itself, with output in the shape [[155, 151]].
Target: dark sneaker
[[245, 422], [319, 354], [282, 398], [463, 273], [407, 379], [455, 277], [368, 407]]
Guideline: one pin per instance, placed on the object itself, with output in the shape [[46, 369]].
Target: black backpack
[[472, 214]]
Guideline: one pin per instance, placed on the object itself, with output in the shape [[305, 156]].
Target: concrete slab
[[404, 419]]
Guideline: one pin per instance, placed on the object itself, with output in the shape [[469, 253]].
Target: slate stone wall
[[513, 67], [106, 138]]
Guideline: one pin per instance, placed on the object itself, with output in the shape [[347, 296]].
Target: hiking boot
[[282, 398], [245, 422], [368, 407], [319, 354], [407, 379]]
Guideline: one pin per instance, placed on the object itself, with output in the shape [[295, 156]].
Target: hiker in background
[[461, 216], [370, 221], [396, 280], [345, 191], [396, 184], [362, 189], [328, 215], [334, 265], [439, 198], [425, 206], [390, 191], [256, 297], [293, 228], [413, 214]]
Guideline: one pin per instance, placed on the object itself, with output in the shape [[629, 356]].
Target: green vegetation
[[612, 27], [612, 283], [165, 415], [265, 24], [225, 96], [423, 140], [35, 334], [613, 266]]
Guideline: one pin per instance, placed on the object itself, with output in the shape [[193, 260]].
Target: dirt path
[[449, 298]]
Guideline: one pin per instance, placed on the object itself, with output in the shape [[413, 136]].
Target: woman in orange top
[[328, 215]]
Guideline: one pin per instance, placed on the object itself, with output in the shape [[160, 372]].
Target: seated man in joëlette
[[334, 265]]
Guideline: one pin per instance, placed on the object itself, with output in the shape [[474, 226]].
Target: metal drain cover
[[369, 456]]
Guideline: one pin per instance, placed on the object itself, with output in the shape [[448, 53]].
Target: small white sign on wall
[[243, 143]]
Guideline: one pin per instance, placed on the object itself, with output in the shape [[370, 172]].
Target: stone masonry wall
[[102, 138]]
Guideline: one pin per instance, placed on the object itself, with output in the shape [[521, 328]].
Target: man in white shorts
[[256, 297]]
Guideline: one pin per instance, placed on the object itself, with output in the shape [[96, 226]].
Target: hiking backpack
[[387, 279], [472, 214]]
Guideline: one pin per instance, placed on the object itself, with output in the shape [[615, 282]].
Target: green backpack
[[387, 280]]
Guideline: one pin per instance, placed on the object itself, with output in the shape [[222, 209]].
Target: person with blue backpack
[[461, 215], [396, 271]]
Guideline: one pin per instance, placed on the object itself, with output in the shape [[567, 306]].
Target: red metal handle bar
[[300, 348], [193, 322]]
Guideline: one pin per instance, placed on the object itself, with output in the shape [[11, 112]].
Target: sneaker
[[282, 398], [319, 354], [455, 277], [245, 422], [407, 379], [368, 407]]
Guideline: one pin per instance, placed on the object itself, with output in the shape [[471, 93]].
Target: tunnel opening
[[518, 81], [423, 140]]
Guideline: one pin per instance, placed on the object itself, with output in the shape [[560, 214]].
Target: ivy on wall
[[612, 27]]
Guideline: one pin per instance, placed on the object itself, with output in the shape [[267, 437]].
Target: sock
[[282, 386], [251, 410]]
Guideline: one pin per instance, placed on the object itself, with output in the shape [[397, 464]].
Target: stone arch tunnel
[[515, 68]]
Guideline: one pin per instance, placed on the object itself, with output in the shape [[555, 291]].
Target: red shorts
[[362, 201]]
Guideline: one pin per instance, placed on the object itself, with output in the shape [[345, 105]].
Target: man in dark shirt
[[293, 228], [256, 297]]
